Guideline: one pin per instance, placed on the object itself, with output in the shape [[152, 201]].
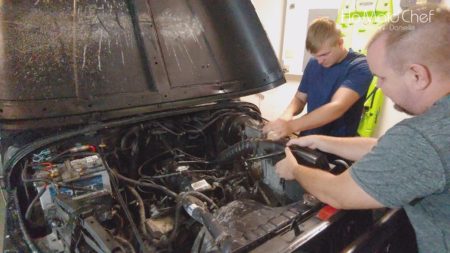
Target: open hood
[[71, 62]]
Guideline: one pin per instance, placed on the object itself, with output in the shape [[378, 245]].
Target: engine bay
[[181, 183]]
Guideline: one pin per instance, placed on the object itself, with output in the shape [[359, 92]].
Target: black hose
[[174, 233], [215, 119], [268, 148], [198, 212], [178, 173], [169, 130], [24, 166], [150, 160], [141, 210], [58, 156], [30, 207], [128, 215], [115, 187], [124, 140], [125, 242], [26, 236], [249, 147], [202, 196], [179, 207], [211, 120], [150, 185]]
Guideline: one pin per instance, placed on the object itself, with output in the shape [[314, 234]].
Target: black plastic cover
[[248, 223], [70, 62]]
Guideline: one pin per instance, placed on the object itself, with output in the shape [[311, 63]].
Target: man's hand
[[310, 141], [277, 129], [286, 167]]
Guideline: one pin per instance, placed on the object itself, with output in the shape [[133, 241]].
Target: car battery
[[75, 178]]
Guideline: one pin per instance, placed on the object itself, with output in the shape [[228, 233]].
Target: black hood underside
[[66, 62]]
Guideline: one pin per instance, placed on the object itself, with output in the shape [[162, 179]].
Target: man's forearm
[[316, 182], [351, 148], [317, 118], [338, 191], [295, 107]]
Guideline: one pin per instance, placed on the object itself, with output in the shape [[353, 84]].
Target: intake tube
[[246, 148], [197, 210], [260, 147]]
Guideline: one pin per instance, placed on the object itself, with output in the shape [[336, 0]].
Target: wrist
[[294, 126], [286, 117], [321, 143], [297, 172]]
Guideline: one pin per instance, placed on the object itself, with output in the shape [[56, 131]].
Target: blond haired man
[[333, 87], [409, 166]]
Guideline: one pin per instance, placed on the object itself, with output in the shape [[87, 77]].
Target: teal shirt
[[412, 161]]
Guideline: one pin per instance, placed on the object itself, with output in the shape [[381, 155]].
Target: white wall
[[295, 31], [273, 102], [271, 14]]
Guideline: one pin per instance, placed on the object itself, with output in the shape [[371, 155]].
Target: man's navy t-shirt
[[320, 84]]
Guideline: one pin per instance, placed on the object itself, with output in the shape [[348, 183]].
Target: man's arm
[[340, 103], [279, 126], [295, 107], [339, 191], [351, 148]]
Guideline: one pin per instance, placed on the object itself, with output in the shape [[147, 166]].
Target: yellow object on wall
[[359, 20]]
